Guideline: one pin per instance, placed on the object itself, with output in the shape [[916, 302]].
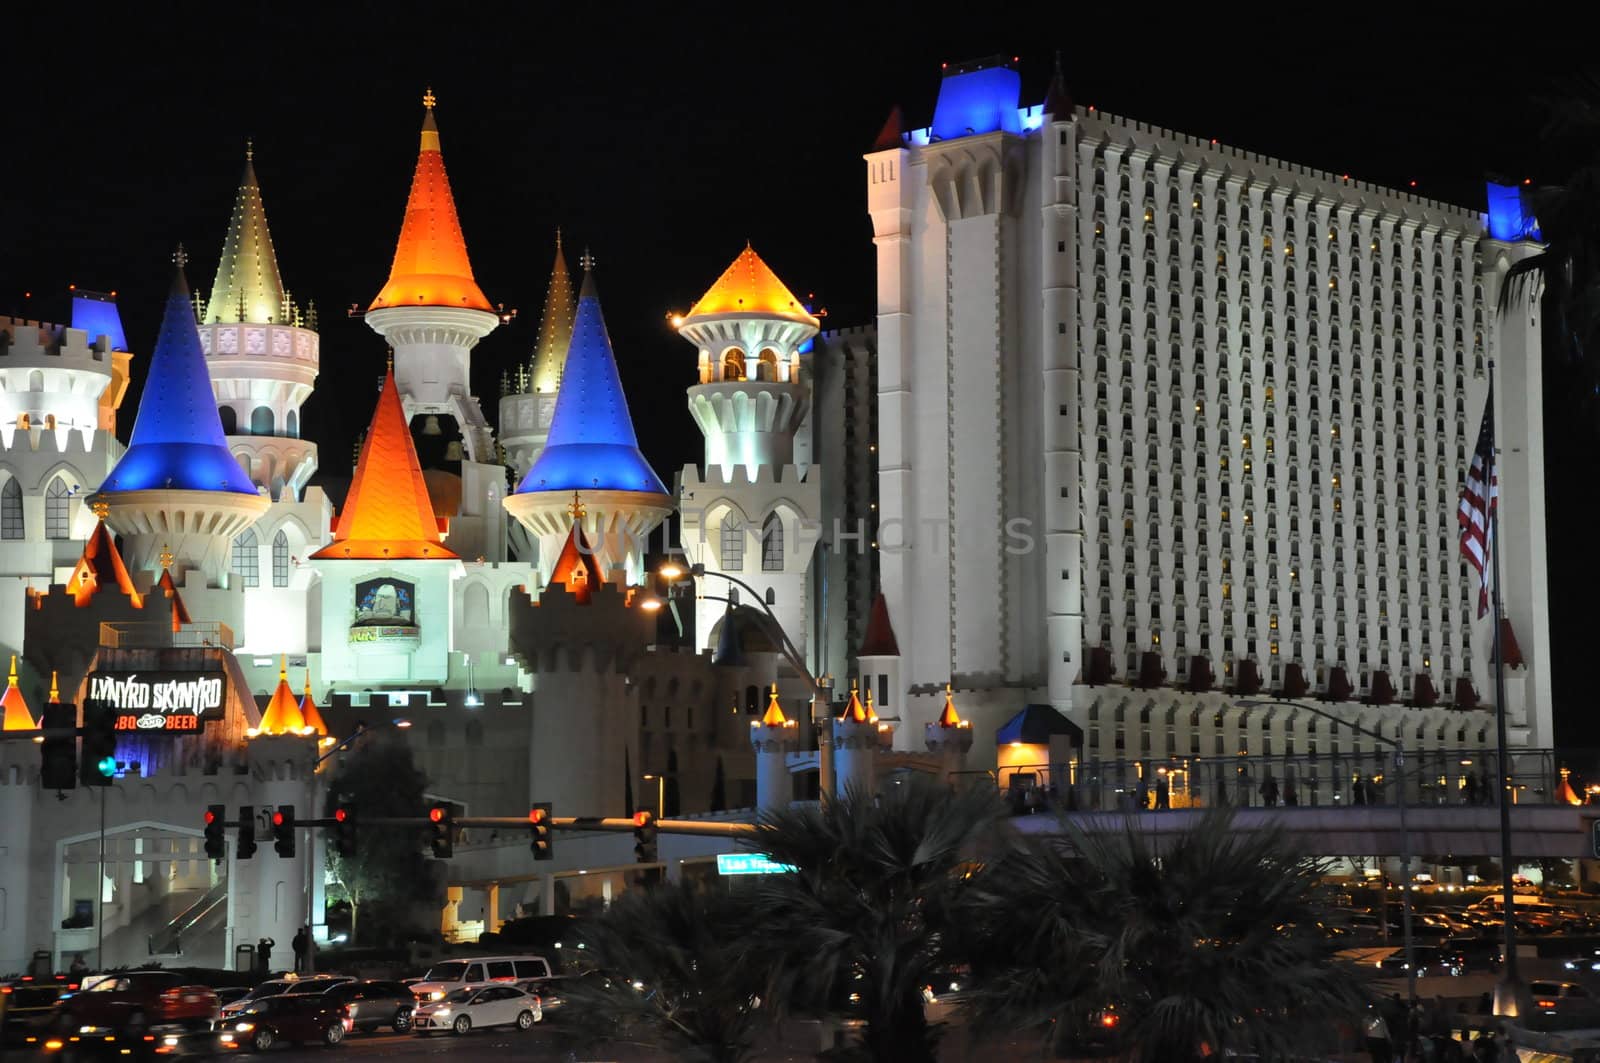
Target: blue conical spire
[[177, 439], [591, 446]]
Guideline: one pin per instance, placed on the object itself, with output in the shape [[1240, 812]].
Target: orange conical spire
[[17, 715], [100, 567], [949, 718], [872, 714], [283, 714], [309, 712], [749, 286], [855, 711], [431, 267], [387, 513], [774, 716]]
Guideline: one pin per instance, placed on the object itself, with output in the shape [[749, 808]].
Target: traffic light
[[443, 839], [644, 837], [58, 755], [344, 830], [247, 832], [283, 830], [216, 843], [539, 823], [97, 759]]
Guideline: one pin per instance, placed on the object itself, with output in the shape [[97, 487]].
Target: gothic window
[[772, 544], [230, 420], [261, 421], [246, 559], [57, 507], [11, 526], [280, 559], [732, 545]]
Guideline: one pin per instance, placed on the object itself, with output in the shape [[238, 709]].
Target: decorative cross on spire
[[428, 99], [102, 509], [249, 149], [558, 237], [576, 509], [587, 261], [166, 556], [181, 257]]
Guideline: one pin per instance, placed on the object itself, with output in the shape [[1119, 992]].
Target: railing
[[144, 634], [168, 941], [1432, 778]]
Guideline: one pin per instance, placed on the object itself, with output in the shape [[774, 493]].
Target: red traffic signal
[[211, 817], [642, 818], [436, 814], [536, 815], [340, 815], [277, 819]]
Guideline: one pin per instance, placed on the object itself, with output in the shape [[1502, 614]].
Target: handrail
[[187, 919]]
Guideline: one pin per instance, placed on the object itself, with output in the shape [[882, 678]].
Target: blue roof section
[[97, 316], [1035, 724], [177, 439], [1509, 217], [975, 101], [592, 445]]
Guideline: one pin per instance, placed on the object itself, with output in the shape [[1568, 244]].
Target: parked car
[[489, 1005], [1475, 954], [445, 977], [28, 1005], [294, 1018], [132, 1001], [1562, 998], [316, 983], [371, 1004]]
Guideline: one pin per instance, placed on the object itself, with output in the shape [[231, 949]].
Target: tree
[[719, 789], [1207, 949], [865, 920], [666, 970], [387, 869]]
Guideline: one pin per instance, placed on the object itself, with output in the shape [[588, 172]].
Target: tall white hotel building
[[1224, 405]]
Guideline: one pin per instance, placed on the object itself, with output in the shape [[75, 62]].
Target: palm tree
[[870, 912], [663, 968], [1209, 947]]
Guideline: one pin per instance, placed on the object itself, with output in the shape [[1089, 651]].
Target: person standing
[[1163, 791], [301, 941], [264, 955], [1269, 790]]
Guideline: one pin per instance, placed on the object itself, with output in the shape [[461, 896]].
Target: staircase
[[196, 924]]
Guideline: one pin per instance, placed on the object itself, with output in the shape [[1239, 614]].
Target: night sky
[[663, 137]]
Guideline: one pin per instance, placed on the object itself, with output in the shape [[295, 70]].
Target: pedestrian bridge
[[1555, 831]]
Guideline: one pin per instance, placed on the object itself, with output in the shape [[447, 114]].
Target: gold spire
[[283, 668], [854, 711], [14, 712], [774, 716], [55, 689], [555, 329], [249, 149], [166, 556], [949, 718], [13, 679], [428, 99], [248, 286], [576, 509], [102, 508], [872, 715]]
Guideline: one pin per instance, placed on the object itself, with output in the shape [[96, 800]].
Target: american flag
[[1478, 505]]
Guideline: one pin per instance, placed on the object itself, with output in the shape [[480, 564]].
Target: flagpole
[[1510, 998]]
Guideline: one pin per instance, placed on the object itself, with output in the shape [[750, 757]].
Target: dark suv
[[28, 1004], [133, 1001], [370, 1004]]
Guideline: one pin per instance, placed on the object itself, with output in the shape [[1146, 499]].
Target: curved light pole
[[671, 571], [1405, 837]]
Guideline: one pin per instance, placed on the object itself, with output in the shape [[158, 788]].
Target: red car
[[133, 1001], [295, 1018]]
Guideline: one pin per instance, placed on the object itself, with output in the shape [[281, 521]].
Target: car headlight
[[437, 994], [245, 1027], [442, 1013]]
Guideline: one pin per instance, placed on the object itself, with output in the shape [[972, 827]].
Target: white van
[[446, 976]]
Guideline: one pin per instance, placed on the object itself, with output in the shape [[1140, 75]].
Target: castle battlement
[[25, 343], [48, 442], [767, 475]]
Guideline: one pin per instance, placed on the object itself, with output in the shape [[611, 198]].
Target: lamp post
[[661, 794], [1405, 838], [671, 571]]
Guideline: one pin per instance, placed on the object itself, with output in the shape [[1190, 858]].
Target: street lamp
[[661, 794], [1405, 837], [671, 571]]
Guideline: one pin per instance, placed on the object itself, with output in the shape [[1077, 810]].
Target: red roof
[[1509, 650], [575, 568], [889, 135], [879, 640], [101, 566], [387, 514]]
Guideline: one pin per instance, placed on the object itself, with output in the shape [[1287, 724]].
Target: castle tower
[[309, 711], [592, 450], [282, 771], [879, 658], [433, 313], [855, 743], [751, 512], [386, 576], [773, 737], [282, 716], [177, 487], [529, 402], [950, 738], [262, 358]]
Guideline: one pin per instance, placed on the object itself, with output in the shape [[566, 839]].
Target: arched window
[[291, 424], [11, 526], [246, 559], [57, 510], [280, 559], [772, 544], [732, 553], [261, 421], [733, 364], [767, 368], [476, 606], [230, 420]]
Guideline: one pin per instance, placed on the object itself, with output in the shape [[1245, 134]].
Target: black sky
[[663, 137]]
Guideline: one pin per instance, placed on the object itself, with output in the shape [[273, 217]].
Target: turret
[[528, 403], [856, 740], [879, 658], [949, 738], [592, 451], [261, 350], [773, 737], [177, 487]]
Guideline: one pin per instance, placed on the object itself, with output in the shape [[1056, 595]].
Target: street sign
[[749, 864]]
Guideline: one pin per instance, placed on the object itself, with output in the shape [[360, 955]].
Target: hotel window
[[772, 544], [732, 544], [11, 524], [280, 560], [246, 559], [57, 503]]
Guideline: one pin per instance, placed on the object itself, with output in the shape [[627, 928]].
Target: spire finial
[[577, 509], [389, 357], [13, 669], [55, 688], [283, 667], [558, 237], [587, 261], [101, 508], [852, 685], [166, 556], [308, 682], [249, 149], [428, 98], [180, 256]]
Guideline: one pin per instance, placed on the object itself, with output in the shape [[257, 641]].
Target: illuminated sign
[[749, 864], [168, 702]]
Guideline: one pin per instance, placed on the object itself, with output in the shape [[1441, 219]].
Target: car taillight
[[1109, 1019], [345, 1011]]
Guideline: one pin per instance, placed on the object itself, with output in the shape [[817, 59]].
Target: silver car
[[487, 1005]]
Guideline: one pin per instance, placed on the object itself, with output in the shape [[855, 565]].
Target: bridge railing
[[1431, 778]]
